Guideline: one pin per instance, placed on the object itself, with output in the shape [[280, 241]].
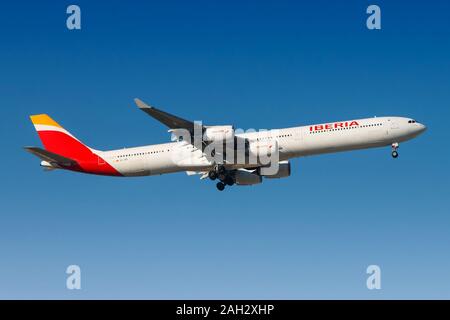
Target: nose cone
[[421, 128]]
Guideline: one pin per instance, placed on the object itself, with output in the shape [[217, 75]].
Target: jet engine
[[284, 170], [246, 178]]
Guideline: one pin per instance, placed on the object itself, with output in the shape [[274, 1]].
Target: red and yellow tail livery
[[62, 144]]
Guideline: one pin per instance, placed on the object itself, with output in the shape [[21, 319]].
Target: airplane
[[212, 152]]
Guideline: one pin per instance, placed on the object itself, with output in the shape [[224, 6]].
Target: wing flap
[[204, 174]]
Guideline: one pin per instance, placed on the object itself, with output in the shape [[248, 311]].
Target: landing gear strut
[[220, 169], [218, 172], [212, 175], [394, 150]]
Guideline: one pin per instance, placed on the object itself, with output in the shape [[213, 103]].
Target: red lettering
[[330, 126]]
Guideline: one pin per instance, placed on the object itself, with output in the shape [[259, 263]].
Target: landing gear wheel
[[394, 150], [220, 186], [212, 175]]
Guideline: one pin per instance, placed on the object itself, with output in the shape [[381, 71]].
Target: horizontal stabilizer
[[50, 157]]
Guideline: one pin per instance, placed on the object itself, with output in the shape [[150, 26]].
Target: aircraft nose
[[422, 128]]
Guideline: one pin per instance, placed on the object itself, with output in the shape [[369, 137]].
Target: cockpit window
[[412, 121]]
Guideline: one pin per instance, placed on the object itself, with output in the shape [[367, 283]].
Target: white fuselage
[[292, 142]]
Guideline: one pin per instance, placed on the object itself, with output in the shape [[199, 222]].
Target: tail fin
[[58, 140]]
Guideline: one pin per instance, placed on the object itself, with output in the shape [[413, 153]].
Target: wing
[[171, 121], [174, 122], [50, 157]]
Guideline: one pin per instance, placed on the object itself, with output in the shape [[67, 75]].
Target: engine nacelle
[[218, 133], [247, 178], [284, 170]]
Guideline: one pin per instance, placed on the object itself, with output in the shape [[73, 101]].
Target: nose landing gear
[[394, 150]]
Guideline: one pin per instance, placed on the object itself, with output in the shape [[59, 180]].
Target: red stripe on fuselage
[[66, 146]]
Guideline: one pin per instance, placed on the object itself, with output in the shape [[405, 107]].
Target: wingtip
[[141, 104]]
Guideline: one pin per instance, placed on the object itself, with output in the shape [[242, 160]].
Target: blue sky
[[253, 65]]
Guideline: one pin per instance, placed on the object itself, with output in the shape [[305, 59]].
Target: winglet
[[141, 104]]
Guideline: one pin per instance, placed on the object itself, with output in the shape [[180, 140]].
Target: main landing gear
[[394, 150], [223, 175], [212, 175], [220, 186]]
